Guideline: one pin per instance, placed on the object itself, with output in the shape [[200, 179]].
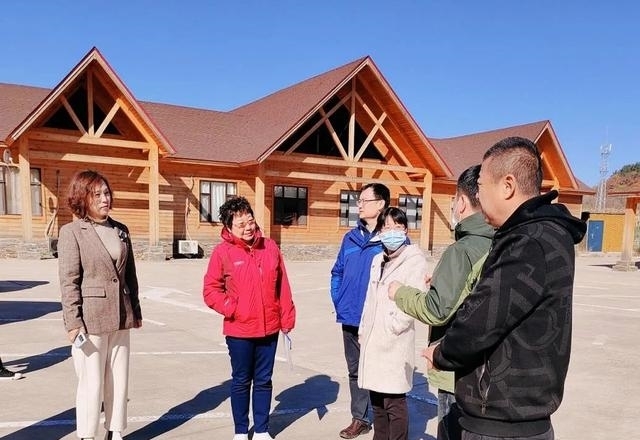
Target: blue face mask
[[393, 239]]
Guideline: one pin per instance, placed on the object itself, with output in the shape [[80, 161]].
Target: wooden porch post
[[626, 262], [25, 189], [425, 227], [155, 249], [154, 198], [259, 207]]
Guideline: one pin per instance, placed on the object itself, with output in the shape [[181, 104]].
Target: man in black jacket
[[510, 342]]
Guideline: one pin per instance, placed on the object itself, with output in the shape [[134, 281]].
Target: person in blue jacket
[[349, 282]]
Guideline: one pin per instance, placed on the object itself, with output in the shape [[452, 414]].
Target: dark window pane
[[289, 208]]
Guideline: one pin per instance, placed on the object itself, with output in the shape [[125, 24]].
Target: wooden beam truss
[[349, 153]]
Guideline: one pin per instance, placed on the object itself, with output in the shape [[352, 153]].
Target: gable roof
[[271, 119], [93, 56], [461, 152], [243, 135], [248, 133]]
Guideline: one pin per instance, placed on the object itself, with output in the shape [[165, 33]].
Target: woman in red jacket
[[247, 283]]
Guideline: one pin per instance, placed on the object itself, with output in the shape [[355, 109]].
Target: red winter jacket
[[249, 286]]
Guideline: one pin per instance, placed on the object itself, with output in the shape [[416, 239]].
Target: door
[[594, 235]]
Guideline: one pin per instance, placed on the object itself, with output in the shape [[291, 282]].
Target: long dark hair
[[397, 215]]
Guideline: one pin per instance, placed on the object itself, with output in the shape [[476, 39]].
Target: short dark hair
[[397, 214], [468, 185], [380, 191], [232, 207], [80, 192], [518, 156]]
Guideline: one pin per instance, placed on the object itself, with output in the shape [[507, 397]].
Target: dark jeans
[[251, 362], [359, 397], [390, 416], [466, 435], [448, 415]]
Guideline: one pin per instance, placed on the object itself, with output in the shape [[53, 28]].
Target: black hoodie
[[511, 339]]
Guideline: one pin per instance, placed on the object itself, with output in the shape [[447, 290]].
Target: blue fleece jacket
[[350, 274]]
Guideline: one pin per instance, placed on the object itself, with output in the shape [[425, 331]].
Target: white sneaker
[[262, 436], [9, 375], [241, 437]]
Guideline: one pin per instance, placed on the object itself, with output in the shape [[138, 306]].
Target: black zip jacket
[[511, 339]]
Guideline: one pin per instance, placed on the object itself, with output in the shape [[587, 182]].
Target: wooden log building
[[299, 155]]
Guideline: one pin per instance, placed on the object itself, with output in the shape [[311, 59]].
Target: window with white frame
[[349, 208], [412, 206], [10, 195], [289, 205], [212, 196]]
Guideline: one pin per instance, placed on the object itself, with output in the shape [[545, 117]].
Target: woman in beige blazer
[[387, 334], [99, 304]]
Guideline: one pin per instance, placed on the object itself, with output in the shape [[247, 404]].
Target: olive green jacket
[[451, 282]]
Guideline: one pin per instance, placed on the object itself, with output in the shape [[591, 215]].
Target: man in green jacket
[[452, 281]]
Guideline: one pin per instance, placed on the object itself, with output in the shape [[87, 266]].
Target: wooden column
[[626, 262], [25, 189], [259, 206], [154, 197], [425, 228]]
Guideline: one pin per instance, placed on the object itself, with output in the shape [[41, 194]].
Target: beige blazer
[[94, 296], [387, 334]]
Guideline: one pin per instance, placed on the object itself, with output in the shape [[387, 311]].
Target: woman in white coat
[[387, 335]]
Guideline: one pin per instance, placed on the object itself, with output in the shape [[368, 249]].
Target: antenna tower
[[601, 194]]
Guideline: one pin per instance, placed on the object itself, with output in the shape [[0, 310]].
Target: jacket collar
[[473, 225]]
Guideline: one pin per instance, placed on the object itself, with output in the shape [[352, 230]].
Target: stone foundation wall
[[42, 249]]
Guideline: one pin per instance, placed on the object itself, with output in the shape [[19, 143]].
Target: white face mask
[[393, 239]]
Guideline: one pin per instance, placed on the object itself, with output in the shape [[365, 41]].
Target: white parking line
[[28, 319], [209, 415], [133, 353], [621, 309], [610, 296], [151, 321]]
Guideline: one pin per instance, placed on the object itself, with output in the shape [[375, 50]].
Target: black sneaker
[[9, 375]]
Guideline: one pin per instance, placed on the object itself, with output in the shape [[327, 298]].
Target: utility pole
[[601, 194]]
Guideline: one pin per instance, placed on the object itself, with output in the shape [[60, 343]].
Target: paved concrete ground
[[180, 369]]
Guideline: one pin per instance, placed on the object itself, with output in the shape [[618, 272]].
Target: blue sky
[[459, 66]]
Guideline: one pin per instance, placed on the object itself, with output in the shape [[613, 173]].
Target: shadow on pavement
[[314, 394], [423, 406], [13, 285], [53, 428], [41, 361], [202, 402], [17, 311]]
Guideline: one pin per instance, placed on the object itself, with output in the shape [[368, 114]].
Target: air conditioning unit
[[188, 247]]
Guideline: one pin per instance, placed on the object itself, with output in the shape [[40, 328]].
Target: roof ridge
[[511, 127], [182, 106], [25, 86], [348, 66]]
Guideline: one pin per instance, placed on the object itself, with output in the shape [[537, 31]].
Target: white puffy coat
[[387, 335]]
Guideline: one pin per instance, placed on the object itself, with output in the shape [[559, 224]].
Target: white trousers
[[102, 367]]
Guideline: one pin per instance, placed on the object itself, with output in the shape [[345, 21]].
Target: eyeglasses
[[243, 225], [363, 201]]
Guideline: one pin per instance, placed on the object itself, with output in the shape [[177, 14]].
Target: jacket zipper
[[485, 393]]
